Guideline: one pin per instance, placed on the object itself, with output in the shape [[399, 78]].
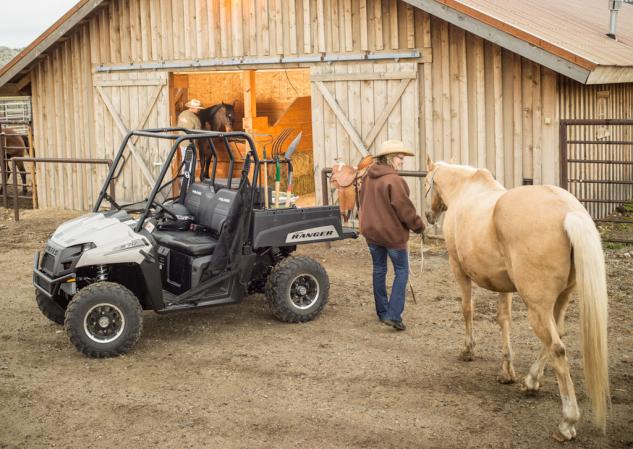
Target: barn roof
[[568, 36]]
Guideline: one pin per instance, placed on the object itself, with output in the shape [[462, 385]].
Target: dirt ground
[[233, 377]]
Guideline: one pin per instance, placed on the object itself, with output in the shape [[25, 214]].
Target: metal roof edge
[[27, 56]]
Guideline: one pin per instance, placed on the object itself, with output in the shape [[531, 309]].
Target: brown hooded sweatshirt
[[387, 213]]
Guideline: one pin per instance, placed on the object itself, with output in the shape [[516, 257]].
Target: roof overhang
[[514, 40], [66, 23], [525, 44]]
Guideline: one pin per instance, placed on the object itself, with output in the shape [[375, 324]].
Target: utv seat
[[210, 211], [188, 242]]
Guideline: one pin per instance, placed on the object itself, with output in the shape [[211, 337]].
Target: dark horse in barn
[[219, 117], [15, 145]]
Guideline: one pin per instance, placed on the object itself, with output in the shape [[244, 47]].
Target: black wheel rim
[[304, 291], [104, 323]]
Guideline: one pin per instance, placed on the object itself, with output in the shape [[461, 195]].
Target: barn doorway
[[273, 105]]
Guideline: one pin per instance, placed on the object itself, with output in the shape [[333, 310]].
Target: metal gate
[[597, 167]]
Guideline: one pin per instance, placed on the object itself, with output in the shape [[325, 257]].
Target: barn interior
[[273, 105]]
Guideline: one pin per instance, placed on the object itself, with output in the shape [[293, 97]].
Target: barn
[[478, 81]]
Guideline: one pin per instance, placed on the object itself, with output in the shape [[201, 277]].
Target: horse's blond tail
[[592, 290]]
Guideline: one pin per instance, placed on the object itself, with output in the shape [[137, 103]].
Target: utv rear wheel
[[51, 308], [297, 289], [104, 320]]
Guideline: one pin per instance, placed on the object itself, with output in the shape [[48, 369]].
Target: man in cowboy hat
[[387, 215], [189, 117]]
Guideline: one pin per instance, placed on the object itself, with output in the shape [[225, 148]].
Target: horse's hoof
[[467, 356], [563, 437], [505, 378], [530, 391]]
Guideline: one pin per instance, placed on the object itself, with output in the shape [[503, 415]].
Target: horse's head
[[432, 195], [226, 116]]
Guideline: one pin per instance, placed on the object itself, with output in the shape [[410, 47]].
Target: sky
[[21, 21]]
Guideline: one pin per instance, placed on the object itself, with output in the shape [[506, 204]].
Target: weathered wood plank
[[394, 98], [364, 23], [236, 27], [393, 24], [517, 121], [498, 113], [321, 26], [410, 26], [329, 99], [347, 13], [378, 28]]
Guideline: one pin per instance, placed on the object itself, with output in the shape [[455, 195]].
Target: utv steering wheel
[[160, 208]]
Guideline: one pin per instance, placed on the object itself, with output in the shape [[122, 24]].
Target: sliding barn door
[[355, 107], [131, 101]]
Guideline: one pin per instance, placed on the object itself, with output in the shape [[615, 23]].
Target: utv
[[186, 245]]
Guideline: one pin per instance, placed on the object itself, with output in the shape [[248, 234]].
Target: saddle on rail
[[346, 181]]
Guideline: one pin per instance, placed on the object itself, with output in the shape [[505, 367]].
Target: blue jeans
[[392, 309]]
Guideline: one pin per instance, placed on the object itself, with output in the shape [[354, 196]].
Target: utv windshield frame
[[192, 136]]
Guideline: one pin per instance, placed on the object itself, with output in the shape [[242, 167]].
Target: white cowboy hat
[[194, 104], [393, 147]]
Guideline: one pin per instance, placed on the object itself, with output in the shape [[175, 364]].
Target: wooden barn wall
[[609, 101], [485, 106], [476, 102], [64, 124], [154, 30]]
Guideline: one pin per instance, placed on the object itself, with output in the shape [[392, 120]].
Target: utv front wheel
[[51, 307], [104, 320], [297, 289]]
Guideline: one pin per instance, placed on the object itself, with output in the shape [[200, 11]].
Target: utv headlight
[[87, 246]]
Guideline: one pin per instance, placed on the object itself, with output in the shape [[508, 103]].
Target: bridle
[[430, 192]]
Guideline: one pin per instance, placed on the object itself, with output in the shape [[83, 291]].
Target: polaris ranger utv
[[186, 245]]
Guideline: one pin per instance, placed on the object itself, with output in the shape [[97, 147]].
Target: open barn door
[[125, 102], [355, 107]]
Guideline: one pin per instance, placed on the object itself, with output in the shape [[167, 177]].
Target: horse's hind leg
[[560, 307], [544, 326], [465, 284], [22, 171], [504, 317]]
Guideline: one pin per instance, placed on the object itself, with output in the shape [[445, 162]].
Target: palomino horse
[[215, 118], [538, 241], [15, 146]]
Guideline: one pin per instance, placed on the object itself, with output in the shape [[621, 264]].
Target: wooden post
[[3, 168], [33, 181], [250, 104]]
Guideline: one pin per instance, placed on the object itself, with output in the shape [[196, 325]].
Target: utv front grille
[[48, 264]]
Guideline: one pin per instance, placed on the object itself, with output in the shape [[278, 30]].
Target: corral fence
[[34, 160], [597, 168], [22, 130]]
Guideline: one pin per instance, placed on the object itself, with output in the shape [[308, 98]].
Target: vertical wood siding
[[484, 106], [476, 102]]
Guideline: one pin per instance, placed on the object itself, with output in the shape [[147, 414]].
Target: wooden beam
[[25, 81], [131, 82], [353, 134], [364, 76], [250, 100]]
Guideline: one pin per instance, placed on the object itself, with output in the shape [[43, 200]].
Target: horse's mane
[[478, 174]]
